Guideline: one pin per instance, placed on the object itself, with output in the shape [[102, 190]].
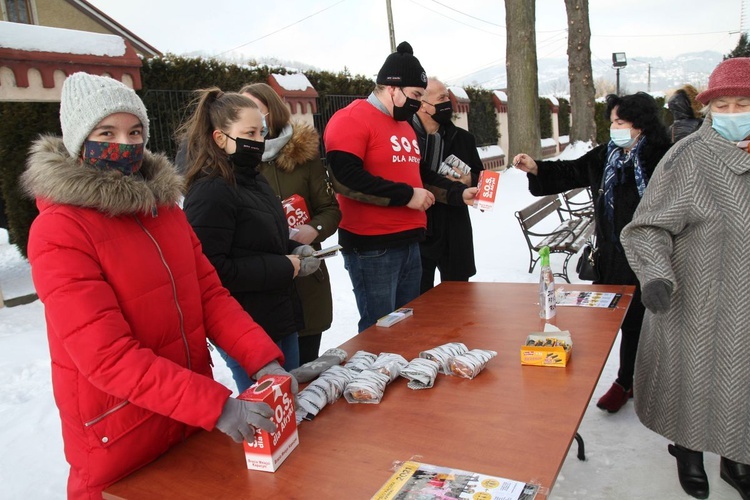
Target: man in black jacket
[[448, 245]]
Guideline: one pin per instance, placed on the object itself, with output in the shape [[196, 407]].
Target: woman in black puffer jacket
[[240, 220]]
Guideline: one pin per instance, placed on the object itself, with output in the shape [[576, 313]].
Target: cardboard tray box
[[268, 451], [547, 355]]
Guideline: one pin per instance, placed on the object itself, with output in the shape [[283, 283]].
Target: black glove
[[656, 295], [239, 419]]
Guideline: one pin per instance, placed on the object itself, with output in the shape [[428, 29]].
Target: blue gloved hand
[[274, 368], [239, 419], [656, 295]]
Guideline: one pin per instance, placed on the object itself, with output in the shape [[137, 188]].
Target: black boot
[[690, 470], [738, 475]]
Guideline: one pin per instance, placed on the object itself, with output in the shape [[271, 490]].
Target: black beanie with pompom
[[402, 69]]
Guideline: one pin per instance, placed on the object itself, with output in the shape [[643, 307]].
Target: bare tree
[[523, 84], [582, 92], [604, 87]]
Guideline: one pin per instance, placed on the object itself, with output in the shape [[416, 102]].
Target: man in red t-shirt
[[374, 160]]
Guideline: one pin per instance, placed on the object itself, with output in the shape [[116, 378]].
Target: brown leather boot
[[738, 475], [690, 470], [615, 398]]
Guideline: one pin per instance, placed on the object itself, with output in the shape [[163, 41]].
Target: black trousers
[[309, 345]]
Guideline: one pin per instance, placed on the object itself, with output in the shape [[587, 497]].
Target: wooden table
[[511, 421]]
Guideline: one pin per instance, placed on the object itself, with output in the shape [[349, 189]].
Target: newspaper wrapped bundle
[[369, 385], [389, 364], [361, 360], [442, 353], [469, 364], [312, 369], [421, 373], [326, 389]]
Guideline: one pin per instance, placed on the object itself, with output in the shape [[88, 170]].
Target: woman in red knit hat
[[687, 244]]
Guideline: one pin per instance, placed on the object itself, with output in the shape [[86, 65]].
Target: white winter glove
[[274, 368], [239, 419]]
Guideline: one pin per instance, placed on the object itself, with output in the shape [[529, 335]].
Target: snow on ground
[[624, 459]]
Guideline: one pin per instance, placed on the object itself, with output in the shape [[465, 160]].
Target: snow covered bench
[[568, 237]]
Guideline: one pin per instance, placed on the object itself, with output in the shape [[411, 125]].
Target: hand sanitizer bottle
[[547, 304]]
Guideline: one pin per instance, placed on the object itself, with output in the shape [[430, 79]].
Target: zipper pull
[[154, 212]]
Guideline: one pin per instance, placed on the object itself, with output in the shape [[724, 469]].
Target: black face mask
[[405, 112], [443, 112], [248, 154]]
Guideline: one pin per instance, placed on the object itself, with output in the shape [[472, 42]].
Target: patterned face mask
[[125, 158]]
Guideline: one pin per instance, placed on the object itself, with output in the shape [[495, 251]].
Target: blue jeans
[[289, 346], [383, 280]]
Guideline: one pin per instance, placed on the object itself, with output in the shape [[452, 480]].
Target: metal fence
[[168, 109]]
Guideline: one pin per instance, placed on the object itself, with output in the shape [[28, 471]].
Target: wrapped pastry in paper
[[441, 353], [469, 364], [367, 387], [421, 373], [389, 364], [361, 360], [326, 389]]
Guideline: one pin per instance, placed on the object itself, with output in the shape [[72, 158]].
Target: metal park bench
[[567, 238]]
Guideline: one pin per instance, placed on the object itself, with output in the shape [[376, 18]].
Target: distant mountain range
[[693, 68], [666, 74]]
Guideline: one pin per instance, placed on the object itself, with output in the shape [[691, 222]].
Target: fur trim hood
[[54, 176], [684, 102], [301, 148]]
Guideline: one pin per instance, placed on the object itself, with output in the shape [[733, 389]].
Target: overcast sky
[[451, 38]]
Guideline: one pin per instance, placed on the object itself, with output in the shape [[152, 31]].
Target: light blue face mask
[[732, 126], [621, 137]]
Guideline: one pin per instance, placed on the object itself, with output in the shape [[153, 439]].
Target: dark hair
[[214, 110], [643, 112], [278, 113]]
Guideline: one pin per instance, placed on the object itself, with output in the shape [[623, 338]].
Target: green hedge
[[545, 118], [563, 116], [20, 124], [482, 116]]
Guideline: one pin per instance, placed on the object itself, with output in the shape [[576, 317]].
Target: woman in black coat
[[617, 173], [240, 220]]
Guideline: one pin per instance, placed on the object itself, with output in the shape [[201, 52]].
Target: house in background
[[44, 41], [74, 15]]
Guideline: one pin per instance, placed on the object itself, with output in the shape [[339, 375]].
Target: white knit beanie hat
[[88, 99]]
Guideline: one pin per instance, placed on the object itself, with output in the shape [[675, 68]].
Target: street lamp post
[[618, 61]]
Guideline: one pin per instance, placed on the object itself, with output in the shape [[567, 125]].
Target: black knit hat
[[402, 69]]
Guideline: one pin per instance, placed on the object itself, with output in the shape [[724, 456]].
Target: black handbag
[[587, 265]]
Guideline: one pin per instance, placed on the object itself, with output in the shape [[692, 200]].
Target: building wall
[[461, 119], [61, 14]]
